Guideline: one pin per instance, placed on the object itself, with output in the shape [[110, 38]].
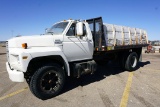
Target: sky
[[31, 17]]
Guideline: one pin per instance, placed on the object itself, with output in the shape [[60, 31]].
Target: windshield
[[57, 29]]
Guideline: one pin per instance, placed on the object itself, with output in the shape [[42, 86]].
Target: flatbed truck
[[71, 48]]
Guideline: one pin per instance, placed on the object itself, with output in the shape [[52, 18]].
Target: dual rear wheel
[[130, 61]]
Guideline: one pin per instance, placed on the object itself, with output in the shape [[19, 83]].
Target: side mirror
[[79, 29]]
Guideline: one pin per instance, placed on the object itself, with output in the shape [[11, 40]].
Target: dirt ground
[[110, 86]]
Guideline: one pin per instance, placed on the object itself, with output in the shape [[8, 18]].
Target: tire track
[[104, 97], [142, 100]]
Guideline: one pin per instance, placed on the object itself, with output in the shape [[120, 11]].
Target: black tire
[[131, 62], [47, 81]]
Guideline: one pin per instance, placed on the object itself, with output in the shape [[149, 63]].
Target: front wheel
[[47, 81]]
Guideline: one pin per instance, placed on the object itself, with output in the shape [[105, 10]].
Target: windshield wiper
[[51, 32]]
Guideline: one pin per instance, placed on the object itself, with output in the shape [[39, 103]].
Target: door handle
[[57, 41]]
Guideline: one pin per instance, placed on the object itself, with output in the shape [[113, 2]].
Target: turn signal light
[[24, 45], [24, 57]]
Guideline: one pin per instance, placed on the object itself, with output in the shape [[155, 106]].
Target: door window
[[72, 30]]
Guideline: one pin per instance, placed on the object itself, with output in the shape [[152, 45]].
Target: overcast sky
[[30, 17]]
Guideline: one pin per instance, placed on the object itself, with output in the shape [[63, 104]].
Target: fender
[[49, 51]]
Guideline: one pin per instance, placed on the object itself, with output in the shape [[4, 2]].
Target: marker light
[[24, 45], [24, 57]]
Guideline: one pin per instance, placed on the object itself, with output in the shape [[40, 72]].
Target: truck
[[71, 48]]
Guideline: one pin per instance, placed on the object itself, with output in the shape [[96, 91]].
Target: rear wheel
[[47, 81], [131, 62]]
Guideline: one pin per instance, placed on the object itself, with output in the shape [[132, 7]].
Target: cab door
[[77, 48]]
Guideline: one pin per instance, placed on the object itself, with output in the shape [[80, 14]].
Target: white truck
[[71, 48]]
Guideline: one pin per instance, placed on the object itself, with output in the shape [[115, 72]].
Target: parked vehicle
[[71, 48], [150, 49]]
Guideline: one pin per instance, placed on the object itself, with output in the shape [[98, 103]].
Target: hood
[[33, 41]]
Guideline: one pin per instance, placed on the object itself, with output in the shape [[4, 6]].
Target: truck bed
[[109, 37]]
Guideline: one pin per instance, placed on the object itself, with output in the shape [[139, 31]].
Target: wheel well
[[126, 52], [138, 51], [38, 62]]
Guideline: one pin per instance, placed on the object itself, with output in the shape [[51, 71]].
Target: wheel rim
[[133, 61], [50, 82]]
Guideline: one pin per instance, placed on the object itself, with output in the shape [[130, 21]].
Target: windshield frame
[[58, 28]]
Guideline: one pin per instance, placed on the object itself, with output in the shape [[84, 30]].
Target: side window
[[71, 31]]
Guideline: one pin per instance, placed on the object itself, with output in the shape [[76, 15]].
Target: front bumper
[[14, 75]]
